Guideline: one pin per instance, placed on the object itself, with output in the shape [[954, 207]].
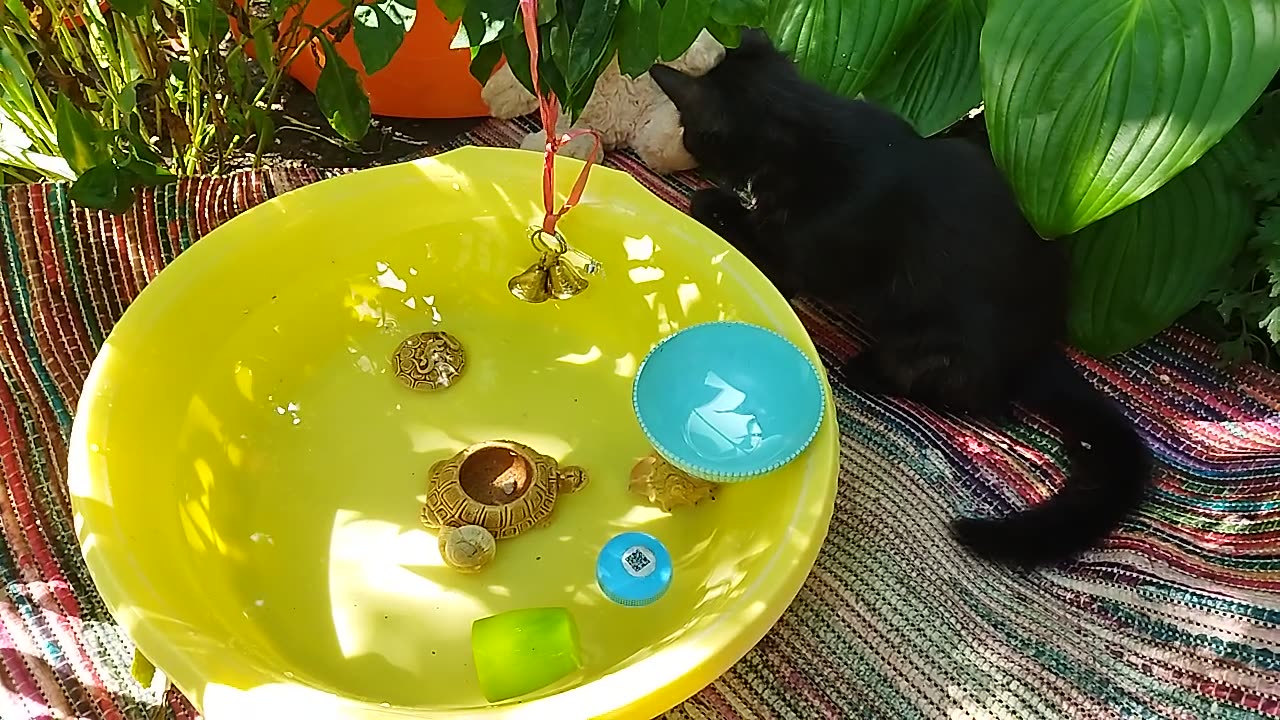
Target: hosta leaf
[[1139, 270], [340, 96], [841, 44], [1093, 104], [932, 79], [379, 30], [738, 13]]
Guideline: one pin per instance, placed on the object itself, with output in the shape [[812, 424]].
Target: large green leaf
[[1093, 104], [206, 24], [484, 21], [737, 13], [841, 44], [638, 29], [379, 30], [340, 96], [485, 58], [80, 140], [682, 20], [104, 187], [933, 79], [590, 39], [1139, 270], [132, 8]]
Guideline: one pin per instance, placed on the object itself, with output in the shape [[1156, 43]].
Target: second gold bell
[[551, 277]]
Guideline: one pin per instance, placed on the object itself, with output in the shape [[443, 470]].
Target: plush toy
[[626, 112]]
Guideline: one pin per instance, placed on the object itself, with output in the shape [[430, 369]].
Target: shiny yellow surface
[[247, 472]]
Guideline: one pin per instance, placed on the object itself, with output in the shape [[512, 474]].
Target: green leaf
[[638, 29], [127, 98], [516, 51], [484, 59], [841, 44], [547, 10], [932, 79], [484, 21], [682, 20], [103, 188], [590, 40], [379, 30], [280, 7], [143, 172], [132, 8], [1139, 270], [739, 13], [1094, 104], [206, 24], [729, 36], [340, 96], [452, 9], [263, 52], [80, 140]]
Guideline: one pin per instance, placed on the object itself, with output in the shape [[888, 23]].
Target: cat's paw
[[717, 208], [860, 374]]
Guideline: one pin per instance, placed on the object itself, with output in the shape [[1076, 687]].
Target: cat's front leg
[[721, 211]]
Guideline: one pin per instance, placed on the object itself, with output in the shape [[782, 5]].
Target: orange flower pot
[[425, 79]]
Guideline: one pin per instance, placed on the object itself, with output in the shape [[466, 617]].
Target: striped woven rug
[[1177, 616]]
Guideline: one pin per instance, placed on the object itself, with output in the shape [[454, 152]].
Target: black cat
[[924, 241]]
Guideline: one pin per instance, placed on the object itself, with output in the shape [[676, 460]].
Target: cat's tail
[[1109, 472]]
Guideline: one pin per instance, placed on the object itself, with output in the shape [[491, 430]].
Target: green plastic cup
[[519, 651]]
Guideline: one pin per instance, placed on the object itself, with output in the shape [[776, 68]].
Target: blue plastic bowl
[[728, 401]]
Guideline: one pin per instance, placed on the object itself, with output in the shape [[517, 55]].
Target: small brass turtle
[[468, 548], [429, 360], [667, 486], [502, 486]]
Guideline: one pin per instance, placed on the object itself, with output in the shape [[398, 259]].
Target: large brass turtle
[[502, 486]]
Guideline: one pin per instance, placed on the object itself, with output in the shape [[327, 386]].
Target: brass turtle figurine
[[429, 360], [502, 486], [667, 486]]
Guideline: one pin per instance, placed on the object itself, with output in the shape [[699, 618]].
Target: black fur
[[924, 240]]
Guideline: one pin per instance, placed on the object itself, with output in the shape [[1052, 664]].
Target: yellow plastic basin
[[247, 473]]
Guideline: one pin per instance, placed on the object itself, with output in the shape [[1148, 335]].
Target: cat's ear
[[684, 90]]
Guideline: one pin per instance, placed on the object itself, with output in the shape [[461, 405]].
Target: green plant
[[1102, 114], [151, 88], [579, 38], [1249, 299]]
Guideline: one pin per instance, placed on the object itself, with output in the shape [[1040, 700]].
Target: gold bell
[[533, 285], [564, 281]]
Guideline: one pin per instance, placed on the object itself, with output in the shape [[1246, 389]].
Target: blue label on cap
[[633, 569]]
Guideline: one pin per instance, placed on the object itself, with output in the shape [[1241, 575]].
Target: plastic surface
[[520, 651], [247, 472], [634, 569], [729, 400]]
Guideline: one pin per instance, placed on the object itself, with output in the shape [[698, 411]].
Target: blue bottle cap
[[634, 569]]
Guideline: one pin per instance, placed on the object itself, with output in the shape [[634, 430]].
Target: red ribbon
[[549, 108]]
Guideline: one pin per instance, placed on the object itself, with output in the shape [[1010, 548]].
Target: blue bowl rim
[[707, 473]]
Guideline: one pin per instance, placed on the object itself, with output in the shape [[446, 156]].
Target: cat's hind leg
[[939, 369]]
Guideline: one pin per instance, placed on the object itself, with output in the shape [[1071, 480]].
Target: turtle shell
[[449, 505]]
